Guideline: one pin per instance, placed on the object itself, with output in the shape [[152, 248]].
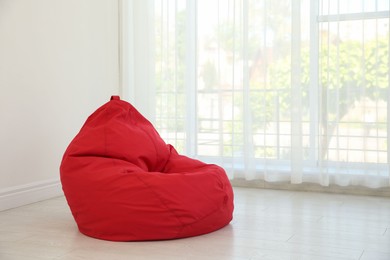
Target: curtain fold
[[291, 90]]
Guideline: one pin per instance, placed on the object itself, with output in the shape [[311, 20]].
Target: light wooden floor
[[268, 224]]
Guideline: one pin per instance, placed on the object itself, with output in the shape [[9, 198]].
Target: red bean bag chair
[[123, 183]]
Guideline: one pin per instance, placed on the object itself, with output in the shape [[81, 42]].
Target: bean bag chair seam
[[184, 226], [162, 202], [155, 148], [106, 115], [200, 219]]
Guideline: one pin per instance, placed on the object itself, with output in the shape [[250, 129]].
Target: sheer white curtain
[[289, 90]]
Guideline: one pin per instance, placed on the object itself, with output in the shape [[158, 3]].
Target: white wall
[[58, 63]]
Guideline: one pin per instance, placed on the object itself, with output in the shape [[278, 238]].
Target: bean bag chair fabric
[[124, 183]]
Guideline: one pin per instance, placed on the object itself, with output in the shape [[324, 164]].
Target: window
[[289, 90]]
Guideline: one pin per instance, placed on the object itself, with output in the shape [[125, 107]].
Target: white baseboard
[[29, 193]]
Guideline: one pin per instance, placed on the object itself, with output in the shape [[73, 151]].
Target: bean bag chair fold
[[124, 183]]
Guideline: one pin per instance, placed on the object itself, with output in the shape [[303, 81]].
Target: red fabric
[[123, 183]]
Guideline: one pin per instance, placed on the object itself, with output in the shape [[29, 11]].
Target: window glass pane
[[255, 97], [354, 65]]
